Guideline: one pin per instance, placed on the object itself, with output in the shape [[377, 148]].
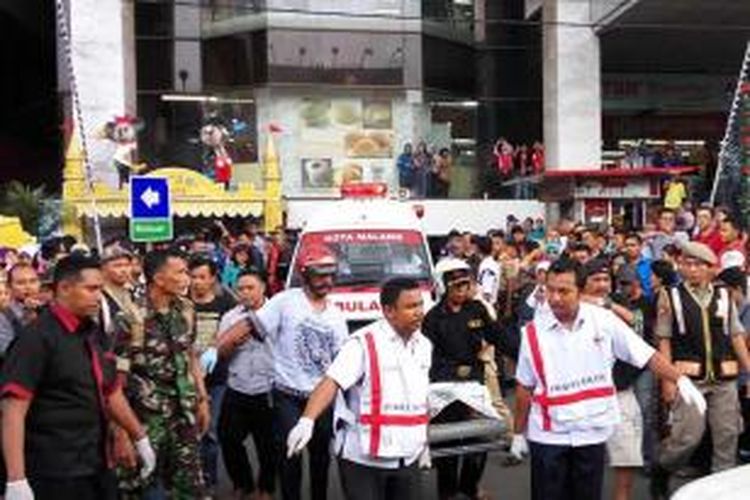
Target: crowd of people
[[682, 289], [126, 374], [424, 172]]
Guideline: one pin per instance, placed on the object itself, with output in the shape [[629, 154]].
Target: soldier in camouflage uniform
[[164, 380]]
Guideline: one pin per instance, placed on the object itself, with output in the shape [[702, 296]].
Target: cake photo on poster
[[377, 114]]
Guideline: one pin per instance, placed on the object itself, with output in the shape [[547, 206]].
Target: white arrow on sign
[[150, 197]]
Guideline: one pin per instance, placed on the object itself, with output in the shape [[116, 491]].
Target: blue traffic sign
[[149, 198]]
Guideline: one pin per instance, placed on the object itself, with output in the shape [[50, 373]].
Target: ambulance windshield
[[367, 257]]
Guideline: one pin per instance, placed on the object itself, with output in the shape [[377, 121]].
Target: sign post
[[150, 210]]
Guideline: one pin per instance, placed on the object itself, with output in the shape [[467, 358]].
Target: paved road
[[502, 483]]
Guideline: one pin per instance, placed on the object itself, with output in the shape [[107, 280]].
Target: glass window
[[238, 59], [368, 257]]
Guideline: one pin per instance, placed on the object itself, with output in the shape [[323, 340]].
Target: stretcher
[[487, 431]]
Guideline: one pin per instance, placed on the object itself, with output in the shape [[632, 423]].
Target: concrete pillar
[[100, 60], [128, 47], [572, 86]]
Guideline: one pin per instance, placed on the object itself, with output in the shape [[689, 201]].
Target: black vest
[[691, 345]]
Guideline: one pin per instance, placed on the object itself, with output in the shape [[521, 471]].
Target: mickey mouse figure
[[217, 164], [123, 132]]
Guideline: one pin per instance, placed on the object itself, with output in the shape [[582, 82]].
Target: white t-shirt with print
[[488, 278], [303, 341]]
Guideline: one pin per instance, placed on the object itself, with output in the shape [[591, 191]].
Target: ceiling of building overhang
[[678, 36]]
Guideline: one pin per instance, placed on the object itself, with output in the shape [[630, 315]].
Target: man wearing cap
[[116, 297], [457, 327], [698, 329], [306, 332]]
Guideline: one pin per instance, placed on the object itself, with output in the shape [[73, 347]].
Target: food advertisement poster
[[344, 140]]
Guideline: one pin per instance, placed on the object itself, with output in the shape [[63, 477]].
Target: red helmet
[[317, 259]]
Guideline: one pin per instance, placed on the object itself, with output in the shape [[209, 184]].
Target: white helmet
[[448, 265]]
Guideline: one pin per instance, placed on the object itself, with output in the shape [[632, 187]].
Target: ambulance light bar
[[364, 190]]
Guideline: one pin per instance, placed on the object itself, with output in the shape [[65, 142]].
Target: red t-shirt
[[712, 239], [505, 163], [537, 162]]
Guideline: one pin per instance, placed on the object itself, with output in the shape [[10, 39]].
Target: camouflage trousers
[[176, 441]]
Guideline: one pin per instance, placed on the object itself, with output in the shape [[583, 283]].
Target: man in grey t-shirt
[[24, 285]]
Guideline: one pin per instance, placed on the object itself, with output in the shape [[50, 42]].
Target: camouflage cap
[[114, 252]]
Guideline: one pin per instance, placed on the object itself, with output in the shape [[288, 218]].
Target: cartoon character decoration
[[217, 164], [123, 131]]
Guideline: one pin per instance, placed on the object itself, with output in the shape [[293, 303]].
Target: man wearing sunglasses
[[457, 327]]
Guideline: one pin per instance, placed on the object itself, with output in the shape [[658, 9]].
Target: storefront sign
[[620, 189]]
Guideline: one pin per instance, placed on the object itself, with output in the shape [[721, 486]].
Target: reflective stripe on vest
[[678, 311], [375, 419], [545, 401]]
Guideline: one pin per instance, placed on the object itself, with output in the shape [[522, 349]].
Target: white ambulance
[[374, 238]]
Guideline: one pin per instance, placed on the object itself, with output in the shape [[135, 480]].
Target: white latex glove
[[18, 490], [299, 436], [209, 359], [690, 394], [148, 457], [519, 448], [425, 460]]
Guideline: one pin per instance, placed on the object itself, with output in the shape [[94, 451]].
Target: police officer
[[164, 380], [383, 370], [566, 400], [116, 269], [699, 330], [457, 327]]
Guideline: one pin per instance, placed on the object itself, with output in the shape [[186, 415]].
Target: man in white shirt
[[565, 397], [306, 332], [383, 371], [489, 274], [246, 406]]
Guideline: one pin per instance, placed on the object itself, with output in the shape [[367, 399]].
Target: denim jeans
[[645, 393], [210, 442], [287, 411]]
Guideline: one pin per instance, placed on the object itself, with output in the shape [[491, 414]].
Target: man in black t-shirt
[[210, 304], [457, 327], [59, 387]]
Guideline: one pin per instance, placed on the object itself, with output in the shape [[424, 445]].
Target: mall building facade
[[346, 83]]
